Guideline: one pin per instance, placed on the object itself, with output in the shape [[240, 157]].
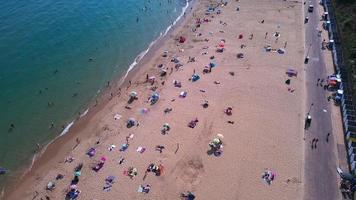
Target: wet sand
[[267, 132]]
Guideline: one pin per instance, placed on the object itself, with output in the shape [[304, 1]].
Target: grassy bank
[[345, 11]]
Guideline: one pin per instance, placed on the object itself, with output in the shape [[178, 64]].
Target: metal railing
[[347, 107]]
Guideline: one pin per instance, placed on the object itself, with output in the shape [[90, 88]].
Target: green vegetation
[[345, 11]]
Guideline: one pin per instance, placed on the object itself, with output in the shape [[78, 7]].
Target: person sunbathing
[[98, 166], [177, 84], [159, 148], [165, 129], [188, 196], [167, 110], [228, 111], [132, 172], [193, 123], [156, 169]]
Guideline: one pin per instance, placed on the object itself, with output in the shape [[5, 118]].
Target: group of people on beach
[[153, 83]]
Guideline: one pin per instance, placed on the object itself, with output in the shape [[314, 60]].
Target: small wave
[[84, 113], [143, 53], [66, 129]]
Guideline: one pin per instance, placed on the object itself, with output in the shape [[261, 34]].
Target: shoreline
[[99, 101]]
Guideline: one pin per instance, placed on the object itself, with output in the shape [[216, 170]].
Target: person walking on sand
[[327, 137], [266, 35], [38, 146], [129, 85], [312, 143], [285, 44]]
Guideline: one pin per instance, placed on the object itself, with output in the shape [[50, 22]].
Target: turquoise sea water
[[56, 55]]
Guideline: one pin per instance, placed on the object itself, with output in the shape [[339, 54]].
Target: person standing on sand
[[266, 35]]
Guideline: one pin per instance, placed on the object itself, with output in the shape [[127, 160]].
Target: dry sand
[[268, 119]]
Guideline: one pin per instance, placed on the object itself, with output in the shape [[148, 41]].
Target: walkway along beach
[[223, 75]]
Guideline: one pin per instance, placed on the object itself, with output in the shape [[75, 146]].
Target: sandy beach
[[263, 133]]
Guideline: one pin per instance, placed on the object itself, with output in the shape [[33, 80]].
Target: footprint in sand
[[189, 170]]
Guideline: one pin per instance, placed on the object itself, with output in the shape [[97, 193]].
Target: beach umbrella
[[155, 96], [77, 173], [216, 140], [133, 94], [103, 158], [195, 77], [212, 64]]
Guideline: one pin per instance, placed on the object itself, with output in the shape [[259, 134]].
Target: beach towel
[[117, 116], [141, 149], [112, 147], [124, 147], [144, 189], [140, 189], [183, 94]]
